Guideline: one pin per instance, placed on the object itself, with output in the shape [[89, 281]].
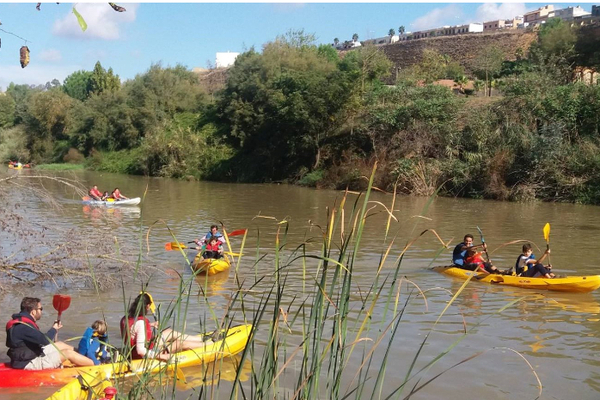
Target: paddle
[[547, 237], [60, 302], [484, 248], [178, 246]]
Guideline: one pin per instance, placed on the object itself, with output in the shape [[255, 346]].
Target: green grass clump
[[61, 167]]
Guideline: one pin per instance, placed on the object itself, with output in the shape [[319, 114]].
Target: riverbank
[[60, 167]]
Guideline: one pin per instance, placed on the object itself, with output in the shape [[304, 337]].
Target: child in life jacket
[[93, 343], [476, 261], [214, 248]]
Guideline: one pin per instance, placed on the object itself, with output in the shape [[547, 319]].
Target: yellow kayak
[[88, 386], [210, 266], [574, 284]]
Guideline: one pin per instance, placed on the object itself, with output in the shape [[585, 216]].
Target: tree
[[391, 32], [7, 111], [488, 64], [281, 107], [355, 37], [461, 81], [336, 41], [401, 30], [554, 51], [78, 85], [102, 80], [368, 64]]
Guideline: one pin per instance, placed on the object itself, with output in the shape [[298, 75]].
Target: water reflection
[[99, 215]]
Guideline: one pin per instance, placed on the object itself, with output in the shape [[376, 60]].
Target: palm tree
[[461, 81], [391, 32], [401, 30], [355, 37], [336, 41]]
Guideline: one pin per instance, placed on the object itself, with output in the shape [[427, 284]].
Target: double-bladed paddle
[[178, 246]]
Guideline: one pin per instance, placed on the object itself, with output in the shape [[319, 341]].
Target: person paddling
[[460, 252], [95, 193], [527, 265], [116, 194], [214, 231], [30, 349]]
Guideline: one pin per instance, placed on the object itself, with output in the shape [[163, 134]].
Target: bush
[[73, 156]]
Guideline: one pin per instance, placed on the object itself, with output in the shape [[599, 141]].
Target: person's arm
[[139, 329], [544, 255], [32, 335]]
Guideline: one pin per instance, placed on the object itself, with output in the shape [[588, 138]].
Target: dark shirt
[[25, 342]]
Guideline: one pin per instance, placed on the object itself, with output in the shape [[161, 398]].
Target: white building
[[225, 59], [570, 13]]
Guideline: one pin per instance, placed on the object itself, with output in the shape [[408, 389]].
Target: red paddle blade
[[168, 247], [61, 302], [237, 232], [86, 198]]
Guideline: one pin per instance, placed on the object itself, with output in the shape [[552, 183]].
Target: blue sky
[[192, 33]]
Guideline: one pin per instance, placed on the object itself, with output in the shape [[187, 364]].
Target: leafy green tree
[[78, 85], [160, 93], [47, 123], [336, 41], [368, 64], [554, 51], [21, 95], [391, 32], [355, 37], [401, 30], [7, 111], [488, 64], [102, 80], [280, 108]]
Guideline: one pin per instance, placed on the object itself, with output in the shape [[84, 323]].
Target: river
[[557, 333]]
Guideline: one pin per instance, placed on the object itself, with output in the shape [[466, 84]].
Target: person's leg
[[490, 268], [176, 341], [67, 352]]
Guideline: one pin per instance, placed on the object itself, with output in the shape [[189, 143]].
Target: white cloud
[[35, 74], [449, 15], [102, 21], [492, 11], [50, 55]]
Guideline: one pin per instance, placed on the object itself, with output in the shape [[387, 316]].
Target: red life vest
[[126, 329], [212, 247], [95, 192], [21, 320]]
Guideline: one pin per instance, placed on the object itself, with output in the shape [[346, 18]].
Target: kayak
[[574, 284], [84, 387], [210, 266], [234, 341], [112, 202]]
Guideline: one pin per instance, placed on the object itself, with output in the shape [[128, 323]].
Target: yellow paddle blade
[[547, 232]]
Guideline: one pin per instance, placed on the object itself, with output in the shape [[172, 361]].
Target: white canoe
[[111, 202]]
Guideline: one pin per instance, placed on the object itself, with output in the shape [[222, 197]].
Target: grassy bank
[[60, 167]]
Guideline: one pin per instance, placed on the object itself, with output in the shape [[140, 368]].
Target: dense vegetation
[[302, 113]]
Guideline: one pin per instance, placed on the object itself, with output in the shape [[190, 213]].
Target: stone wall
[[462, 48]]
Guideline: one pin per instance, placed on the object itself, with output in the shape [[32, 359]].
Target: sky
[[191, 34]]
